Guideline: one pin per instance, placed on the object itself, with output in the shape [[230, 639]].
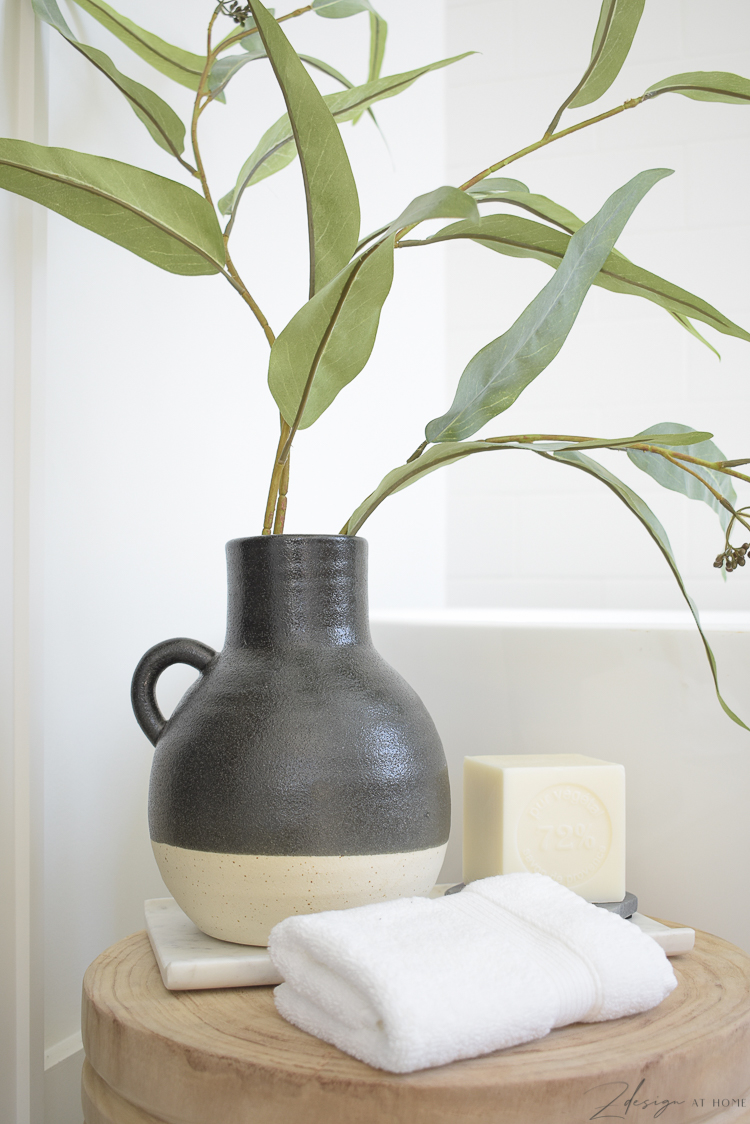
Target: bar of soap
[[561, 814]]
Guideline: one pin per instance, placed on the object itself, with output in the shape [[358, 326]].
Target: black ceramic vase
[[299, 772]]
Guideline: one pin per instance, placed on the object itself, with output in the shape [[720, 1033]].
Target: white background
[[144, 435]]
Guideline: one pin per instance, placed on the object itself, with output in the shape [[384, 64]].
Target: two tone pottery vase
[[299, 772]]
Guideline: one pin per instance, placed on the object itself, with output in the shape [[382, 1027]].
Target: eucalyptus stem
[[276, 477], [716, 494], [230, 41], [278, 526], [247, 296], [717, 466], [631, 103], [197, 110]]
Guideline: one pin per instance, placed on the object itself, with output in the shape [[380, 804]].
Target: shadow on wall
[[636, 695]]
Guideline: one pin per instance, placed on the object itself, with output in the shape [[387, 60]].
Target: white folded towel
[[419, 982]]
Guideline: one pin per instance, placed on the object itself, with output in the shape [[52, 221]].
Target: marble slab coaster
[[673, 941], [189, 960]]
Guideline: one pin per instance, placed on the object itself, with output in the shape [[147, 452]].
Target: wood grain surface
[[226, 1057]]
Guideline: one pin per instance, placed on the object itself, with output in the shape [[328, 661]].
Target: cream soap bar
[[561, 814]]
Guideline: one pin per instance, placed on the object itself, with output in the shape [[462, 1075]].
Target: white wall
[[625, 686], [522, 531], [159, 437], [157, 442]]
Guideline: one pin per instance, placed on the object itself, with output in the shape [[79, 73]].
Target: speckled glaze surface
[[258, 891], [297, 739]]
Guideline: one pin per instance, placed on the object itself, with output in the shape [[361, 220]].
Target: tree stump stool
[[225, 1057]]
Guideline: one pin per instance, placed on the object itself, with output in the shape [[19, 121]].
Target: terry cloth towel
[[418, 982]]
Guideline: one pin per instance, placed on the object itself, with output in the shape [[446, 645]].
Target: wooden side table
[[226, 1057]]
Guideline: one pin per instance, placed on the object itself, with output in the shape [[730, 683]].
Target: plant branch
[[231, 40], [631, 103], [234, 278], [716, 494], [278, 526], [717, 466], [200, 93], [276, 477]]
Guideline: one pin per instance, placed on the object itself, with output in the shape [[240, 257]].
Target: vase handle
[[156, 660]]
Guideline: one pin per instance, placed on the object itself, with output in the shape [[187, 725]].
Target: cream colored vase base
[[240, 898]]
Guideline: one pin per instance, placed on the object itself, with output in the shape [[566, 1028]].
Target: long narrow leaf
[[496, 376], [225, 68], [613, 38], [159, 220], [644, 513], [181, 66], [495, 188], [378, 36], [521, 238], [705, 85], [669, 476], [277, 148], [328, 342], [332, 72], [331, 338], [340, 9], [330, 191], [160, 119], [538, 205]]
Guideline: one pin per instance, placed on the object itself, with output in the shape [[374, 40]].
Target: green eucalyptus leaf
[[330, 190], [497, 186], [160, 119], [613, 38], [162, 221], [332, 72], [328, 342], [690, 327], [499, 373], [326, 68], [181, 66], [277, 147], [705, 85], [643, 512], [252, 43], [330, 339], [521, 238], [540, 206], [378, 36], [340, 9], [669, 476], [443, 202], [667, 438], [225, 68]]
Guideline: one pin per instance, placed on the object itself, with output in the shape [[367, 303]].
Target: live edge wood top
[[227, 1057]]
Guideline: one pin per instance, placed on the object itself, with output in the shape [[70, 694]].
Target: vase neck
[[297, 590]]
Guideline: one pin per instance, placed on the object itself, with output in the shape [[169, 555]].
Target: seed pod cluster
[[732, 557], [238, 12]]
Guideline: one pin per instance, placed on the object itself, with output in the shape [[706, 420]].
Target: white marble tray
[[189, 960]]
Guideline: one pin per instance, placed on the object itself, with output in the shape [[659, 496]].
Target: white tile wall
[[534, 534]]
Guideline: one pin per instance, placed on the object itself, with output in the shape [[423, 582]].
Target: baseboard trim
[[63, 1050]]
